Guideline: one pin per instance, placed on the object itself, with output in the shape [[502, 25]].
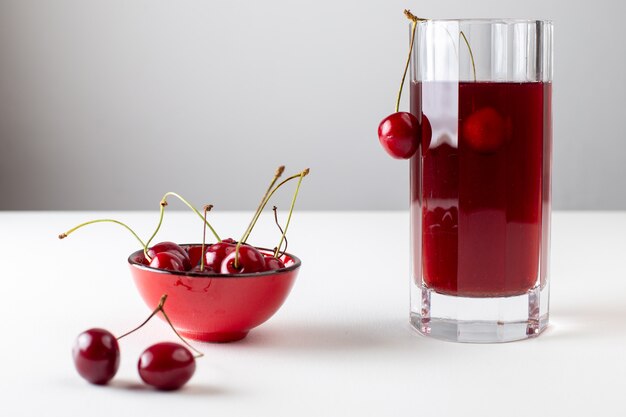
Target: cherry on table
[[96, 355], [166, 366]]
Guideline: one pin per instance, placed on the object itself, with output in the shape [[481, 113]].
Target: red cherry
[[96, 355], [172, 248], [195, 253], [216, 253], [167, 260], [484, 130], [250, 260], [166, 366], [399, 134], [273, 264]]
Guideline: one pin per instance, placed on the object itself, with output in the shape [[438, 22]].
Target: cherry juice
[[479, 186]]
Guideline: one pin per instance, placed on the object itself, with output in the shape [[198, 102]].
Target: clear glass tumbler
[[480, 182]]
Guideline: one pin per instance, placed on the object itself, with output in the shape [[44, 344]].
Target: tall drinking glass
[[480, 182]]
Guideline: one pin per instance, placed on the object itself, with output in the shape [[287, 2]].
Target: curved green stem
[[257, 213], [73, 229], [414, 19], [198, 353], [161, 214], [469, 48], [154, 312], [260, 210], [406, 67], [269, 196], [277, 175], [160, 308], [293, 203], [282, 232], [164, 203]]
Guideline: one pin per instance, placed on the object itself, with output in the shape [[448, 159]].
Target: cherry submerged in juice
[[478, 192]]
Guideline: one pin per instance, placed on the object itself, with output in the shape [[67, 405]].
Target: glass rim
[[489, 20]]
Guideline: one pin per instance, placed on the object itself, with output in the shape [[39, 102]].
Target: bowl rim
[[296, 264]]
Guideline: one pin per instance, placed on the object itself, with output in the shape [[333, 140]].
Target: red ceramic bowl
[[217, 307]]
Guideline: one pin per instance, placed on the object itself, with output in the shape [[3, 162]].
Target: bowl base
[[220, 337]]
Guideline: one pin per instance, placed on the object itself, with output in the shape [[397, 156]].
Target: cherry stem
[[277, 249], [207, 208], [257, 213], [469, 48], [414, 19], [269, 196], [198, 353], [160, 308], [64, 235], [156, 310], [163, 204], [293, 203]]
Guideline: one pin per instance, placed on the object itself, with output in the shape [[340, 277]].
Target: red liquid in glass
[[478, 193]]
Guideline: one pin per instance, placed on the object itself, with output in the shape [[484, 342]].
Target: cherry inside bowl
[[215, 307]]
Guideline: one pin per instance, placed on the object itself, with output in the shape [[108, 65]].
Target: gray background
[[108, 104]]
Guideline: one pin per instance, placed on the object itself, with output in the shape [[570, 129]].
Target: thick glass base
[[479, 320]]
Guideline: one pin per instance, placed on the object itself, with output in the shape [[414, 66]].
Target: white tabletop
[[341, 344]]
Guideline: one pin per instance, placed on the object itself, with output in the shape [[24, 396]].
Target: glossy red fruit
[[250, 260], [272, 264], [166, 247], [399, 134], [96, 355], [166, 366], [216, 253], [484, 130], [167, 260], [173, 248], [195, 253]]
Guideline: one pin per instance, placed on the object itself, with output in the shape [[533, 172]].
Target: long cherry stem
[[293, 204], [261, 207], [414, 19], [73, 229], [277, 174], [469, 48], [277, 249], [154, 312], [257, 213], [163, 204], [207, 208], [160, 308], [304, 173]]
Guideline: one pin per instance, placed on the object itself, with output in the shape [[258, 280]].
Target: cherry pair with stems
[[165, 366]]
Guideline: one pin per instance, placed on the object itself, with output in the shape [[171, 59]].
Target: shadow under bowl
[[215, 307]]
